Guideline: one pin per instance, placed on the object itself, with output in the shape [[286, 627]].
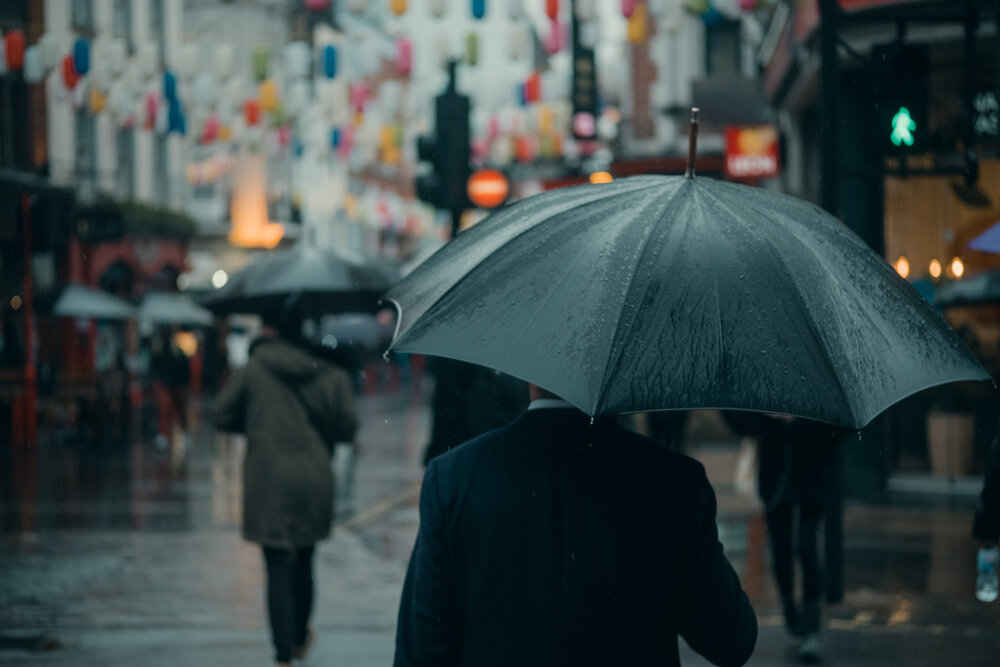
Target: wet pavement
[[134, 557]]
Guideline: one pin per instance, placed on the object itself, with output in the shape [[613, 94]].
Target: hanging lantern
[[697, 7], [97, 101], [210, 131], [33, 70], [169, 86], [584, 9], [554, 38], [747, 5], [524, 149], [472, 49], [175, 118], [69, 74], [533, 87], [260, 62], [225, 133], [267, 94], [251, 112], [637, 29], [317, 5], [398, 7], [346, 142], [436, 7], [478, 9], [358, 95], [14, 49], [151, 108], [628, 8], [404, 56], [552, 9], [330, 61], [545, 119]]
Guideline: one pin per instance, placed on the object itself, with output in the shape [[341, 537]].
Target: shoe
[[300, 652], [809, 652]]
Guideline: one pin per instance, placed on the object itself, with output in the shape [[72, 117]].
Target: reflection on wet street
[[133, 556]]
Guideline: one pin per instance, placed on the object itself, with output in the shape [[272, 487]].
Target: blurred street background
[[138, 559], [153, 152]]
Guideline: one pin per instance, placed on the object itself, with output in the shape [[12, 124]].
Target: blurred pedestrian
[[293, 407], [470, 400], [795, 467], [171, 373], [565, 540], [986, 527]]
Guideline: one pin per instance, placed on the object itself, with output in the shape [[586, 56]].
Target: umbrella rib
[[816, 331], [671, 202], [392, 294]]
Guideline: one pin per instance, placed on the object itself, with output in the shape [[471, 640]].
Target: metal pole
[[829, 119], [28, 298], [968, 96], [830, 201], [692, 143]]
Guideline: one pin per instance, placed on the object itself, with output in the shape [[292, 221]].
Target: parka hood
[[287, 360]]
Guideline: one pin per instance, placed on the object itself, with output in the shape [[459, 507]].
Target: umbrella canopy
[[983, 289], [656, 292], [323, 281], [167, 308], [988, 241], [87, 302]]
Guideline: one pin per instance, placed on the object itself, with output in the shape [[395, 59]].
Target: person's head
[[535, 392], [281, 325]]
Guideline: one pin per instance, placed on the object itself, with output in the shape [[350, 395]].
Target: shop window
[[722, 48], [125, 146], [123, 21], [157, 26], [86, 155], [83, 15], [14, 133], [161, 171]]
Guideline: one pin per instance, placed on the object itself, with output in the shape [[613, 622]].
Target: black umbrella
[[318, 280], [658, 292]]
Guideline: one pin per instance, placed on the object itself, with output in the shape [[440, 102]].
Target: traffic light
[[902, 96], [448, 152]]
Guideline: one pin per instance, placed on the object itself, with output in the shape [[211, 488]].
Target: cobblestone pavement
[[137, 559]]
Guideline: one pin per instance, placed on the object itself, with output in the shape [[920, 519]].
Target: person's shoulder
[[649, 453]]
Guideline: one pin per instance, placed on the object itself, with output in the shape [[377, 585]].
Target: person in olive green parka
[[293, 407]]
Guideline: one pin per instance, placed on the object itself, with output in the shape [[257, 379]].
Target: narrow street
[[138, 560]]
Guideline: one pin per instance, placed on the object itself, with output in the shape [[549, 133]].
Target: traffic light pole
[[830, 201]]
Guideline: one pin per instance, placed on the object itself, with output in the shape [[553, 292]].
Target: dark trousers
[[779, 529], [289, 598]]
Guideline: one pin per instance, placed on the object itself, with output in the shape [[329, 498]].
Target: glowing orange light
[[601, 177], [487, 188], [187, 342], [957, 267], [251, 228], [935, 268], [902, 266]]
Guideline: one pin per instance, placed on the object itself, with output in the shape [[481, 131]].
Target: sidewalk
[[182, 588]]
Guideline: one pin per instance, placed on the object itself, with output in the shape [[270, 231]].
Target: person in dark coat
[[470, 400], [558, 540], [796, 459], [293, 407], [986, 527]]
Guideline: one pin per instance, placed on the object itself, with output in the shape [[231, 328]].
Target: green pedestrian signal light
[[902, 128]]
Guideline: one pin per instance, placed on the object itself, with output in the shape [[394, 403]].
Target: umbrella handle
[[692, 143]]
